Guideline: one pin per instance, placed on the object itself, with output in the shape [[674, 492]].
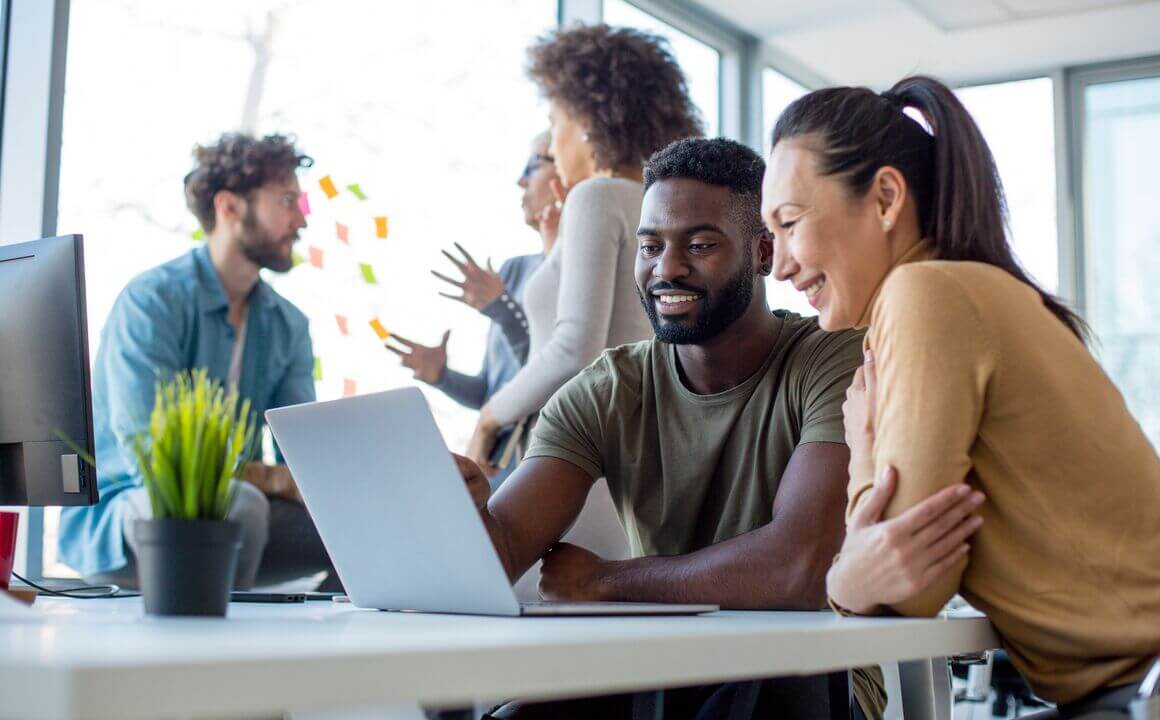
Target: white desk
[[104, 659]]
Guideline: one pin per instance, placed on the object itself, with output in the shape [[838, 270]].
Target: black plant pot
[[186, 567]]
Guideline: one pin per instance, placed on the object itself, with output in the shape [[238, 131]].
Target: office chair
[[1146, 706]]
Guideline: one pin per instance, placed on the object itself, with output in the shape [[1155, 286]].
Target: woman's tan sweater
[[977, 380]]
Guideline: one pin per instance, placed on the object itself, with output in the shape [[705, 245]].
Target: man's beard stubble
[[719, 310], [260, 247]]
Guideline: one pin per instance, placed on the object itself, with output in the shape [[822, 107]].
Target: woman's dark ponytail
[[962, 209]]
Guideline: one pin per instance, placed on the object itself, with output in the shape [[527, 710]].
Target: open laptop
[[396, 516]]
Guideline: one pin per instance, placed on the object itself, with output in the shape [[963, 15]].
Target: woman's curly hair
[[623, 85], [239, 163]]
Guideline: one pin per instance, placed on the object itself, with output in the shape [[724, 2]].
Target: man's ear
[[763, 253], [229, 208]]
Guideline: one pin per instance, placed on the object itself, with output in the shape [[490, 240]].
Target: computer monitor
[[46, 404]]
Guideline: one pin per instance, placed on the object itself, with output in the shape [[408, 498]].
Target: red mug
[[8, 524]]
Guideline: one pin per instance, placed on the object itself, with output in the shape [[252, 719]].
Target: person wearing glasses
[[209, 309], [497, 295]]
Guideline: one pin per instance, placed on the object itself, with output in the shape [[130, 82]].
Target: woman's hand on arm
[[883, 562]]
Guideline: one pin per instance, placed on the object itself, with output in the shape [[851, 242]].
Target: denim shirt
[[175, 317]]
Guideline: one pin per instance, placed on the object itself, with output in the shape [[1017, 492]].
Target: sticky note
[[303, 203], [296, 259], [317, 368], [341, 324], [368, 273], [198, 234], [343, 232], [356, 191], [348, 387], [328, 187], [381, 226], [381, 331], [316, 257]]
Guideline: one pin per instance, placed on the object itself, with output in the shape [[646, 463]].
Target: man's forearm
[[745, 572]]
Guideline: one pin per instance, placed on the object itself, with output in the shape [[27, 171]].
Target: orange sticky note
[[343, 232], [328, 187], [316, 257], [381, 331], [348, 387], [342, 328], [381, 226]]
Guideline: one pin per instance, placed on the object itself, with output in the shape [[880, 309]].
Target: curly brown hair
[[239, 163], [624, 85]]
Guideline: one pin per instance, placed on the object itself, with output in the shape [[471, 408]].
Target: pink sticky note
[[316, 257], [341, 324], [348, 387], [304, 203], [343, 232]]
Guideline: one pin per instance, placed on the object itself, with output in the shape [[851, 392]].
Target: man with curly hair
[[208, 309], [721, 440]]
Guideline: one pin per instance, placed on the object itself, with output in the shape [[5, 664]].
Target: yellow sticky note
[[198, 234], [328, 187], [317, 368], [381, 331], [356, 191], [381, 226]]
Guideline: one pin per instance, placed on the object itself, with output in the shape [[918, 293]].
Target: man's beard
[[260, 247], [717, 312]]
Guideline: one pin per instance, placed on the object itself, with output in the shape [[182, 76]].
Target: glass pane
[[433, 120], [700, 62], [1018, 121], [1122, 237], [777, 92]]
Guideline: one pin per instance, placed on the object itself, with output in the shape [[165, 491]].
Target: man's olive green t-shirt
[[686, 470]]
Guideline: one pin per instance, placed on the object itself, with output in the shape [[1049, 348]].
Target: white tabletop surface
[[106, 659]]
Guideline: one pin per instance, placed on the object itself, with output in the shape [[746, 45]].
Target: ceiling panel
[[957, 15], [1047, 8]]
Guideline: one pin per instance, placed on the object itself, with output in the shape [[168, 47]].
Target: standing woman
[[615, 97], [975, 377]]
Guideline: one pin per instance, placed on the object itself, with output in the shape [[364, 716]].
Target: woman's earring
[[886, 225], [584, 137]]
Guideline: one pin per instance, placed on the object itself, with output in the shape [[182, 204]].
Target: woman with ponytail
[[978, 395]]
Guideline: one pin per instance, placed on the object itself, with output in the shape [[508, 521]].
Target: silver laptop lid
[[389, 503]]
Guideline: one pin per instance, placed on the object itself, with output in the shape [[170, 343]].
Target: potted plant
[[193, 449]]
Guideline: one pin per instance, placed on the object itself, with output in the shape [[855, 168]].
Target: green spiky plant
[[196, 443]]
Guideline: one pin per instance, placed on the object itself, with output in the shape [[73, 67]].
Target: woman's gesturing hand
[[883, 562], [481, 285]]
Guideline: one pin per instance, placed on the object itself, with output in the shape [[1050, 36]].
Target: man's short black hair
[[715, 161]]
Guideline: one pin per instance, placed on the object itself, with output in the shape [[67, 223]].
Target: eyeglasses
[[535, 162]]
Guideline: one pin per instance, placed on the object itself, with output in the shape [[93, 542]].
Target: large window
[[701, 62], [431, 119], [777, 92], [1121, 230], [1018, 121]]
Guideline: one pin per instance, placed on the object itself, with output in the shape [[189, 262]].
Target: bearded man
[[208, 309]]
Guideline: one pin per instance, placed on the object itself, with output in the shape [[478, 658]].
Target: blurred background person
[[497, 296], [615, 97], [211, 309]]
